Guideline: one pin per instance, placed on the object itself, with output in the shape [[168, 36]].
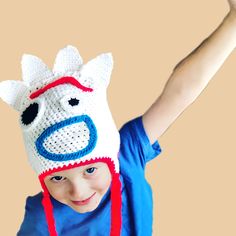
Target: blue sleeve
[[135, 145], [34, 222]]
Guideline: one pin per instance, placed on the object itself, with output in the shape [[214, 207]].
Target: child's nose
[[79, 190]]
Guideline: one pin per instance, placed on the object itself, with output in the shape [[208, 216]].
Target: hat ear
[[11, 92], [99, 69], [34, 69], [67, 59]]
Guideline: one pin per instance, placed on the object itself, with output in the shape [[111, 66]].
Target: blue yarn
[[68, 156]]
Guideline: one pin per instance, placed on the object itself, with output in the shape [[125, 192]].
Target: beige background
[[193, 180]]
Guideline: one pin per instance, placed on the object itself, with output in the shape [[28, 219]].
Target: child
[[92, 176]]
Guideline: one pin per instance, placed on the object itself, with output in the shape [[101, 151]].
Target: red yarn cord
[[48, 209], [115, 206]]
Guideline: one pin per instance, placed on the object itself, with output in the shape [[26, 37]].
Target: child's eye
[[91, 170], [57, 179]]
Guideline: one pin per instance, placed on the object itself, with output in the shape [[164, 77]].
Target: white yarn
[[54, 107], [11, 92], [67, 59], [34, 70]]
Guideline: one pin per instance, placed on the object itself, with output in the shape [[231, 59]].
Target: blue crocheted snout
[[67, 140]]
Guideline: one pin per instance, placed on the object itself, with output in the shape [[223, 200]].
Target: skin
[[80, 183], [191, 76], [188, 80]]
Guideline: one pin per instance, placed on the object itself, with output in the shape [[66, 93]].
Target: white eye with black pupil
[[30, 113], [73, 102]]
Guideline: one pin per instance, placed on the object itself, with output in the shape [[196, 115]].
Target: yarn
[[65, 119]]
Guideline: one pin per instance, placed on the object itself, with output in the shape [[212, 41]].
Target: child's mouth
[[83, 202]]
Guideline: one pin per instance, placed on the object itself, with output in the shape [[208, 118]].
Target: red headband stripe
[[63, 80]]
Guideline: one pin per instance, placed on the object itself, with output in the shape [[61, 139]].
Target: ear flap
[[99, 69], [11, 92]]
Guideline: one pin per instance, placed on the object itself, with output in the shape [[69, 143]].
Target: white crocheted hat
[[65, 118]]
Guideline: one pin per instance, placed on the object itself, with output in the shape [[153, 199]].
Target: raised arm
[[191, 76]]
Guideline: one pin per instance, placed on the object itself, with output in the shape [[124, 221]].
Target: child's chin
[[83, 209]]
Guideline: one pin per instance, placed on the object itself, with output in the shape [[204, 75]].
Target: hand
[[232, 11], [232, 4]]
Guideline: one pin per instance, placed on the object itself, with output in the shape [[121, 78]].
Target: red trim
[[106, 160], [115, 206], [116, 219], [48, 210], [63, 80]]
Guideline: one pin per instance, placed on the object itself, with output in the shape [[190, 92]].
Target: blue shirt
[[137, 202]]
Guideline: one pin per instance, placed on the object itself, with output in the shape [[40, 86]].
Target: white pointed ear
[[67, 59], [34, 69], [99, 68], [11, 92]]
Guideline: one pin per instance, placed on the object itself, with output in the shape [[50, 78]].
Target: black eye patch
[[73, 102], [30, 113]]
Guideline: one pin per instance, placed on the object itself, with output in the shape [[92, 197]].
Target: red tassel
[[115, 206], [48, 209]]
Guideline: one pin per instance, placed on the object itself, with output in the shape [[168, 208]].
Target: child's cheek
[[58, 192], [101, 184]]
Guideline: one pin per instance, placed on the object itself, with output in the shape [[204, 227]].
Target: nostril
[[73, 102]]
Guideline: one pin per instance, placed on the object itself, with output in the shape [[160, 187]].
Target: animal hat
[[66, 121]]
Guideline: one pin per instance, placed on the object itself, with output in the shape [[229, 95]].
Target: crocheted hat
[[66, 121]]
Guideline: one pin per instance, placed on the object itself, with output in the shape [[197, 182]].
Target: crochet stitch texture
[[64, 113]]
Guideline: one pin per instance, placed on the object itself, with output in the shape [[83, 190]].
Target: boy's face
[[81, 188]]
